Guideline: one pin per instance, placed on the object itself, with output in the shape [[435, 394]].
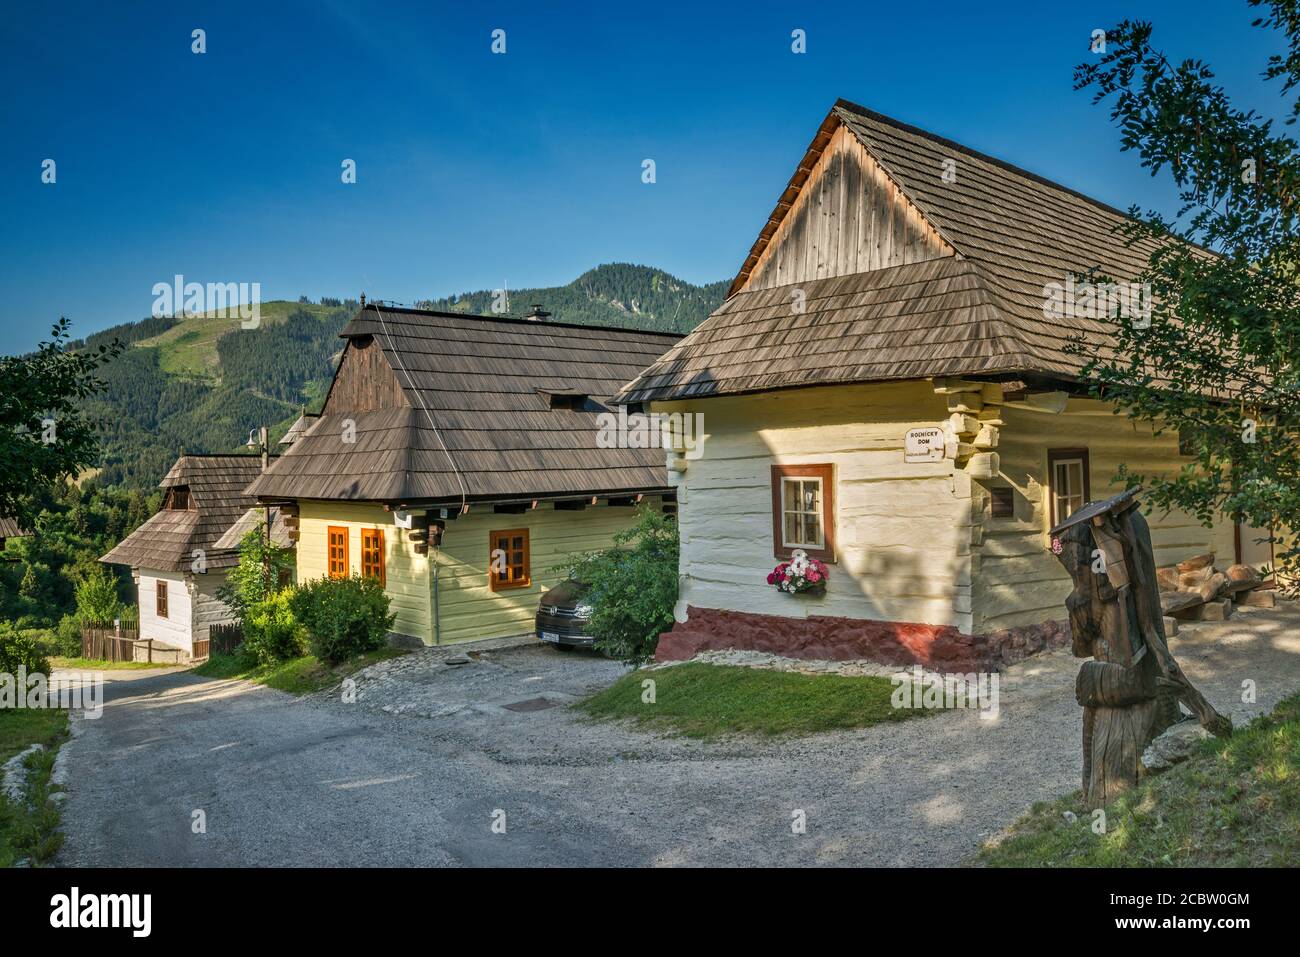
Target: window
[[803, 514], [372, 553], [337, 547], [160, 597], [1004, 501], [178, 498], [1067, 477], [508, 559]]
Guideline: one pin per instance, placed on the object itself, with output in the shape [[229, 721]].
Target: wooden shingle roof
[[9, 528], [977, 312], [472, 414], [217, 499]]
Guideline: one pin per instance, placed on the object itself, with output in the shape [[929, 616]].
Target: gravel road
[[316, 781]]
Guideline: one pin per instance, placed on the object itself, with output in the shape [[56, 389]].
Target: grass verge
[[30, 832], [1235, 803], [99, 664], [297, 675], [707, 701]]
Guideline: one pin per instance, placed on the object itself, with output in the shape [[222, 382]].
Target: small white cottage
[[182, 554]]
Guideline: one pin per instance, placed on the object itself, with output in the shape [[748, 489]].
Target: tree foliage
[[1218, 362], [257, 577], [45, 435], [633, 586]]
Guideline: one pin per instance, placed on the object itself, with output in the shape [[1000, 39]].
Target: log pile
[[1195, 590]]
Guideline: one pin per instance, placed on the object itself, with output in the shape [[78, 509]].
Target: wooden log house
[[887, 387], [180, 556], [446, 437]]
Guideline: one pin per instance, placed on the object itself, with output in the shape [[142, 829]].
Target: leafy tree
[[257, 577], [633, 586], [97, 601], [45, 436], [1219, 362]]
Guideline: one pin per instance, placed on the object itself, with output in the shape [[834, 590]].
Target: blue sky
[[475, 169]]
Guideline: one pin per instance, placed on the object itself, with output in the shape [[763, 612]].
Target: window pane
[[791, 494], [812, 530], [791, 527], [811, 495]]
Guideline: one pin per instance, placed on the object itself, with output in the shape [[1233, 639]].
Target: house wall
[[175, 629], [406, 573], [1018, 580], [903, 530], [207, 608], [917, 542], [469, 609]]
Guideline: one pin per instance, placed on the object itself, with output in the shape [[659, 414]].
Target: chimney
[[538, 314]]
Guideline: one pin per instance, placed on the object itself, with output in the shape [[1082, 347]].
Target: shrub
[[19, 649], [67, 637], [97, 603], [633, 587], [257, 576], [344, 617], [272, 633]]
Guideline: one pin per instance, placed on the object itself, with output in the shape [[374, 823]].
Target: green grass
[[99, 664], [31, 833], [297, 675], [1235, 803], [21, 727], [189, 348], [706, 701]]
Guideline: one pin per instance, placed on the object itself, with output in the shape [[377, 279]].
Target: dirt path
[[284, 781]]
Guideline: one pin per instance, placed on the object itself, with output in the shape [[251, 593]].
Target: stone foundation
[[937, 647]]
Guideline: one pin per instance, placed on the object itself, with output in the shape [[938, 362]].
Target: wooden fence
[[223, 639], [105, 644]]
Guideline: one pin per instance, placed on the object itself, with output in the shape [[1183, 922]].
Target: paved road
[[285, 781]]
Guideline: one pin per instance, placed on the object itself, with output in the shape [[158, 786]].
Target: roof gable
[[876, 195], [168, 540]]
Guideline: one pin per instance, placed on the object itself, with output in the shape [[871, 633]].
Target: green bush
[[20, 649], [97, 603], [633, 586], [257, 576], [272, 633], [344, 617], [67, 637]]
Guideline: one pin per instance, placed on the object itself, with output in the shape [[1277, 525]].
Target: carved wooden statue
[[1131, 688]]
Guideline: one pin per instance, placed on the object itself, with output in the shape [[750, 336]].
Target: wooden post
[[1129, 691]]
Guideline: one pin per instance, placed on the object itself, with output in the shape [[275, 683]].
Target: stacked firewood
[[1195, 590]]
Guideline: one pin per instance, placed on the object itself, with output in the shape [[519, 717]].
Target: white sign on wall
[[923, 445]]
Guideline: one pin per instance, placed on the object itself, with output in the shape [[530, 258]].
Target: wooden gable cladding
[[846, 216], [365, 382]]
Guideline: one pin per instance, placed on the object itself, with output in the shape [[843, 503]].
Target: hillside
[[200, 384]]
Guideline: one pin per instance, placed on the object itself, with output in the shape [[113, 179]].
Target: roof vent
[[538, 314]]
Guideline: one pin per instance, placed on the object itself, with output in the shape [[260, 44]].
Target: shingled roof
[[978, 312], [9, 528], [466, 403], [217, 500]]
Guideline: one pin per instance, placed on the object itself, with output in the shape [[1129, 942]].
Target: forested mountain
[[200, 384], [617, 294]]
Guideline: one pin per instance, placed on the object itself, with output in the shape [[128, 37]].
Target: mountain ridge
[[200, 383]]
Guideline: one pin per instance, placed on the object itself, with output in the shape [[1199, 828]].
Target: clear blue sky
[[477, 169]]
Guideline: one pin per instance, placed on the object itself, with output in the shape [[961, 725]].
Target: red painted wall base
[[940, 647]]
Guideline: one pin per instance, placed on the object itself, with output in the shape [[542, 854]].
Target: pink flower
[[771, 578], [1057, 547], [814, 576]]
